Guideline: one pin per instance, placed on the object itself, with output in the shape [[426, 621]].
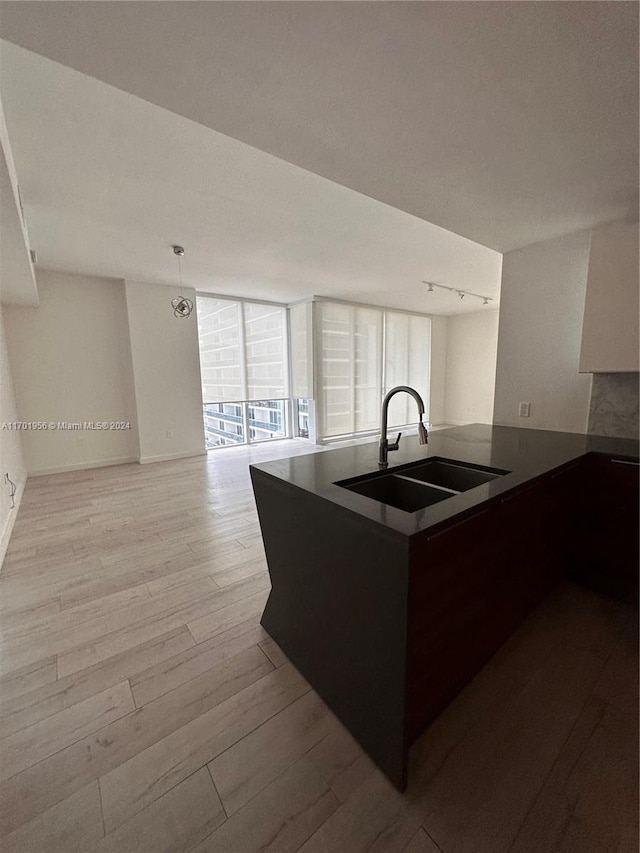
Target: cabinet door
[[613, 560], [526, 548], [450, 632], [610, 321], [596, 524], [471, 585], [575, 511]]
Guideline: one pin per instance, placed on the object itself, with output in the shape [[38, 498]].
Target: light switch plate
[[523, 410]]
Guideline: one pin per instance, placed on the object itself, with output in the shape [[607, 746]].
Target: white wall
[[541, 310], [439, 332], [71, 363], [472, 343], [166, 373], [11, 457]]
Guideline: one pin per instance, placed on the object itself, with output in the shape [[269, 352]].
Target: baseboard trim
[[81, 466], [167, 457], [11, 520]]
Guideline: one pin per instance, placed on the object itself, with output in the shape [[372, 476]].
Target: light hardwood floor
[[144, 710]]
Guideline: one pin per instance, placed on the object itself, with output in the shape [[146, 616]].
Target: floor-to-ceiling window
[[350, 368], [407, 361], [363, 352], [301, 363], [244, 369], [322, 379]]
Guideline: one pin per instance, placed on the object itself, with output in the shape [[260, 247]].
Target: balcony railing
[[261, 420]]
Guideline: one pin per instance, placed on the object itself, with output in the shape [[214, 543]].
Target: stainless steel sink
[[421, 484]]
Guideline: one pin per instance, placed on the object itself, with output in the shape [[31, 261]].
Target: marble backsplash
[[613, 409]]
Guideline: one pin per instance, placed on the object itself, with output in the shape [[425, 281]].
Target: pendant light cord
[[182, 305]]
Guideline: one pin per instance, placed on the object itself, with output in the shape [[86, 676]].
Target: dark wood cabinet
[[570, 522], [388, 626], [470, 586], [611, 557], [596, 527]]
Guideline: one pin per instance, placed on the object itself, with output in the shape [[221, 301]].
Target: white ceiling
[[110, 182], [506, 122]]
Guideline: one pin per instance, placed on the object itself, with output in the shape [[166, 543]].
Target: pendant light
[[182, 305]]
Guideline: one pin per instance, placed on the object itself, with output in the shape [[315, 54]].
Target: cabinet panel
[[610, 327], [612, 562], [596, 527], [574, 515], [470, 587]]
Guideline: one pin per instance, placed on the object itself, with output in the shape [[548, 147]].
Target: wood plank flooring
[[144, 710]]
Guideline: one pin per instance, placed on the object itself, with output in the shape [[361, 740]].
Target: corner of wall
[[10, 520], [165, 357], [472, 346], [11, 455]]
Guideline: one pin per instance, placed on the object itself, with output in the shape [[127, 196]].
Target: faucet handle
[[396, 443]]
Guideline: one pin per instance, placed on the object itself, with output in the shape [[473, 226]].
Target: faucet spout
[[385, 445]]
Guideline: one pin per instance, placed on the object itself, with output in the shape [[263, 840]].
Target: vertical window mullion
[[352, 355], [318, 372], [287, 354], [243, 351], [383, 360], [243, 372], [245, 422], [427, 402], [288, 418]]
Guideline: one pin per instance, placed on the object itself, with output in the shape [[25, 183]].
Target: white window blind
[[220, 351], [265, 342], [362, 353], [350, 340], [354, 356], [407, 355], [301, 350], [242, 350]]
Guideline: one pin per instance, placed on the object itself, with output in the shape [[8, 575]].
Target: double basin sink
[[421, 484]]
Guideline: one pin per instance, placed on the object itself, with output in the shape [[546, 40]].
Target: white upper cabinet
[[610, 328]]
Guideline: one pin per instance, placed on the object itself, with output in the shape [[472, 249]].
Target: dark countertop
[[526, 453]]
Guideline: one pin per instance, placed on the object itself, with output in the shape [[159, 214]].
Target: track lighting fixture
[[461, 293]]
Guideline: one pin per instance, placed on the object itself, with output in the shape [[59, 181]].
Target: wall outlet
[[523, 410], [169, 433]]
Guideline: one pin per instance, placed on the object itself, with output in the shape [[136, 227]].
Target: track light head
[[461, 293]]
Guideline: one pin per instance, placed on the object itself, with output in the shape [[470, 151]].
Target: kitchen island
[[389, 613]]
